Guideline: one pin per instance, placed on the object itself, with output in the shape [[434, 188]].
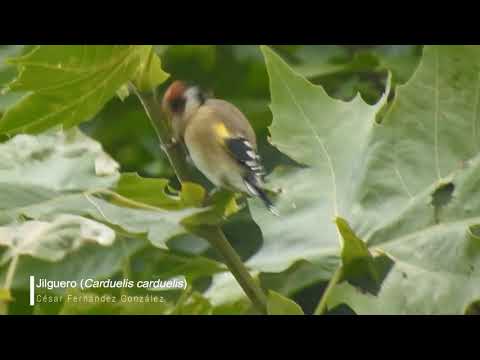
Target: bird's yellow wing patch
[[221, 130]]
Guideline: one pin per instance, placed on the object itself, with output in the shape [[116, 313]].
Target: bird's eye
[[178, 104]]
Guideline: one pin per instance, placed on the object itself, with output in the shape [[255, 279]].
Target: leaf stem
[[213, 234], [322, 305], [12, 267], [126, 269], [217, 239], [123, 200], [181, 301], [11, 272]]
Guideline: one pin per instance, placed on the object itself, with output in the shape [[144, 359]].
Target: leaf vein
[[319, 140], [80, 99]]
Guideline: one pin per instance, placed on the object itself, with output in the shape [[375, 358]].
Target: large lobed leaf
[[326, 136], [405, 186], [57, 192], [416, 193], [39, 169], [69, 84], [53, 240], [7, 74], [68, 173]]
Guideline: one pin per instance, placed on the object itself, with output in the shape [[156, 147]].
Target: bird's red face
[[174, 99]]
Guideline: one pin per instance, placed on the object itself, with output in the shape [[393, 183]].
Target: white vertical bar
[[32, 290]]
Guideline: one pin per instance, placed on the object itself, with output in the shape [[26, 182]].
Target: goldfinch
[[219, 139]]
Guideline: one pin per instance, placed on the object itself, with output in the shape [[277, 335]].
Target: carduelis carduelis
[[219, 139]]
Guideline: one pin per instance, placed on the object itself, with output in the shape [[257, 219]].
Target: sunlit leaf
[[382, 179], [51, 241], [71, 83], [150, 73], [280, 305]]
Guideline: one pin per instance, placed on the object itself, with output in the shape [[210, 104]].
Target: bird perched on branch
[[219, 139]]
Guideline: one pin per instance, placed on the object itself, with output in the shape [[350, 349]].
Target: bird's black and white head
[[182, 100]]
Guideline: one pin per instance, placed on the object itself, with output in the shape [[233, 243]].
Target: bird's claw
[[171, 144]]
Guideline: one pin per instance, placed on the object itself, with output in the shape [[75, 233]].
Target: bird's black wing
[[243, 152]]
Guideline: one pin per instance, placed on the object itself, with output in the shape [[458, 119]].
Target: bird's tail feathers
[[256, 190]]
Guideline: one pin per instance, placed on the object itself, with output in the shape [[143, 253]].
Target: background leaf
[[385, 180], [58, 176], [149, 74], [71, 83], [7, 74], [326, 136], [279, 305], [427, 140], [51, 241]]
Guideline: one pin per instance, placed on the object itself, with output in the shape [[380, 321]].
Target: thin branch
[[217, 239], [322, 305], [10, 273], [175, 154]]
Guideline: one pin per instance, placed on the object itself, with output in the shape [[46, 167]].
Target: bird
[[219, 139]]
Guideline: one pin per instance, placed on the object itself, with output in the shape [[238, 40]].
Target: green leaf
[[326, 136], [401, 60], [359, 266], [41, 170], [240, 307], [345, 70], [277, 304], [157, 224], [473, 308], [89, 261], [383, 179], [67, 174], [153, 191], [357, 262], [51, 241], [196, 304], [71, 83], [321, 60], [7, 73], [167, 264], [353, 248], [424, 165], [299, 276], [36, 169], [150, 73], [5, 295], [224, 290], [123, 92]]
